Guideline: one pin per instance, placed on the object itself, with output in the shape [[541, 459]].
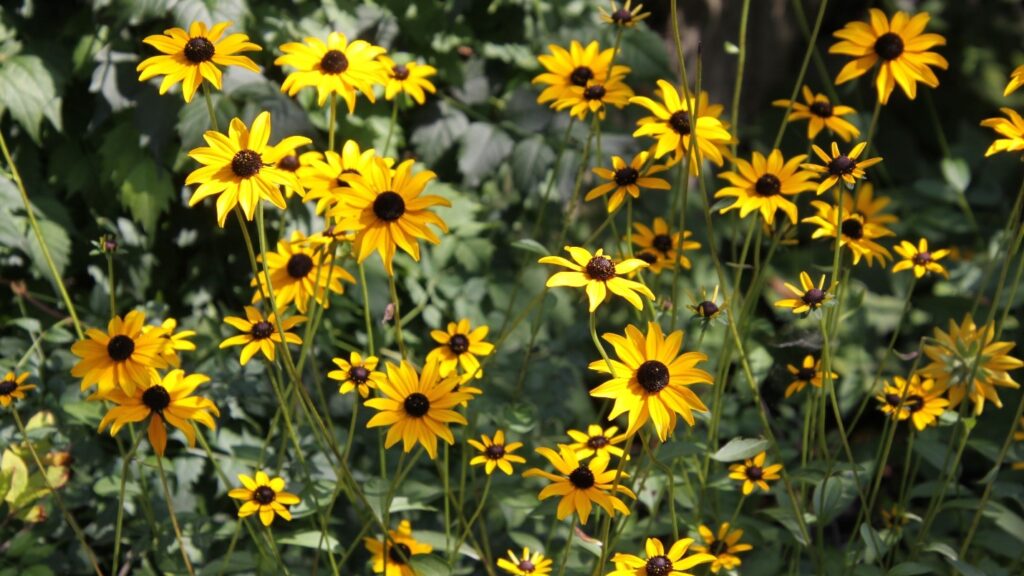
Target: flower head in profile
[[123, 357], [651, 379], [1018, 436], [706, 309], [598, 442], [763, 185], [1016, 80], [660, 562], [754, 474], [920, 259], [918, 399], [659, 248], [528, 564], [810, 297], [1010, 128], [820, 114], [899, 45], [838, 166], [192, 57], [409, 78], [264, 496], [13, 388], [357, 373], [175, 340], [600, 275], [623, 179], [259, 334], [863, 223], [581, 484], [495, 453], [674, 127], [169, 401], [390, 556], [808, 373], [724, 546], [575, 67], [594, 96], [240, 168], [625, 16], [333, 67], [301, 269], [461, 345]]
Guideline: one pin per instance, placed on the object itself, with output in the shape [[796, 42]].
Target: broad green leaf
[[28, 91], [957, 173], [839, 492], [310, 539], [484, 147], [531, 245], [740, 449], [436, 134], [12, 465], [531, 159], [910, 569], [429, 565], [874, 547], [210, 11]]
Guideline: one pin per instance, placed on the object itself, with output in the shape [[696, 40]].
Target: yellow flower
[[301, 269], [173, 342], [335, 67], [240, 168], [673, 127], [1012, 130], [576, 66], [1016, 80], [529, 564], [357, 373], [651, 379], [753, 473], [600, 274], [707, 309], [460, 346], [660, 562], [862, 224], [169, 401], [593, 96], [409, 78], [122, 357], [189, 57], [581, 484], [839, 166], [919, 400], [920, 259], [820, 113], [810, 298], [899, 45], [417, 408], [724, 547], [291, 161], [264, 496], [387, 210], [809, 372], [321, 174], [390, 556], [763, 184], [661, 250], [13, 388], [1018, 436], [597, 442], [627, 179], [626, 17], [260, 334], [496, 453]]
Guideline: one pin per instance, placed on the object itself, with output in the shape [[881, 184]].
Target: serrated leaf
[[484, 147], [740, 449], [28, 91], [439, 132], [530, 161], [531, 245], [147, 192]]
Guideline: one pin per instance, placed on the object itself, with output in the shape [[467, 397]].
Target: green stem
[[597, 343], [568, 547], [803, 71], [174, 517], [391, 126], [127, 460], [209, 107], [472, 520], [738, 83], [112, 285], [333, 122], [397, 319], [367, 318]]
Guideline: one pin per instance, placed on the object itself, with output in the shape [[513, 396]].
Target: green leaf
[[210, 11], [429, 565], [740, 449], [145, 188], [874, 547], [909, 569], [437, 135], [313, 539], [16, 232], [484, 147], [839, 492], [13, 466], [957, 173], [531, 245], [530, 161], [28, 91]]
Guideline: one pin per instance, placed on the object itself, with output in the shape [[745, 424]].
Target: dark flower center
[[892, 399], [841, 165], [246, 163], [495, 452], [852, 228], [120, 348], [156, 398], [198, 50], [262, 330], [7, 387], [768, 185], [595, 92], [626, 176], [289, 163], [399, 558], [299, 265], [597, 442], [889, 46], [922, 258], [417, 404], [581, 75], [680, 122], [340, 182], [458, 344], [814, 296], [526, 566], [658, 566], [334, 62], [647, 257], [821, 109], [622, 16], [601, 268], [806, 374], [652, 376], [707, 309], [359, 374], [914, 402], [754, 473], [400, 72], [389, 206], [582, 477], [662, 243], [717, 547], [264, 495]]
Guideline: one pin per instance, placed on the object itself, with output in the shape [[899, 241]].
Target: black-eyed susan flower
[[820, 114], [600, 275], [658, 561], [1018, 436], [753, 473], [673, 126], [259, 334], [13, 388], [528, 564], [390, 556], [763, 185], [862, 225], [625, 179], [1010, 128], [417, 407], [574, 67], [839, 166], [625, 16], [581, 484], [808, 373], [920, 259], [953, 357], [895, 517], [592, 98], [193, 56], [707, 309], [1016, 80], [122, 357], [291, 161], [357, 373], [918, 399], [659, 248], [409, 78], [597, 441], [301, 269], [651, 379], [724, 546], [335, 67], [810, 298], [495, 453], [169, 401], [175, 340], [240, 168], [265, 496], [461, 345], [900, 45], [387, 210], [322, 173]]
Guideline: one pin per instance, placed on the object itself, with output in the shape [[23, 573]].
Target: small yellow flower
[[809, 372], [838, 166], [597, 442], [122, 357], [753, 473], [625, 17], [576, 66], [529, 564], [390, 556], [301, 269], [659, 561], [600, 275], [917, 399], [461, 346], [264, 496], [333, 67], [627, 179], [174, 342], [409, 78], [763, 184], [13, 388], [820, 113], [863, 224], [592, 97], [673, 126], [496, 453], [661, 250], [724, 547], [920, 259], [1010, 128], [707, 309], [260, 334], [810, 298], [581, 484], [357, 373]]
